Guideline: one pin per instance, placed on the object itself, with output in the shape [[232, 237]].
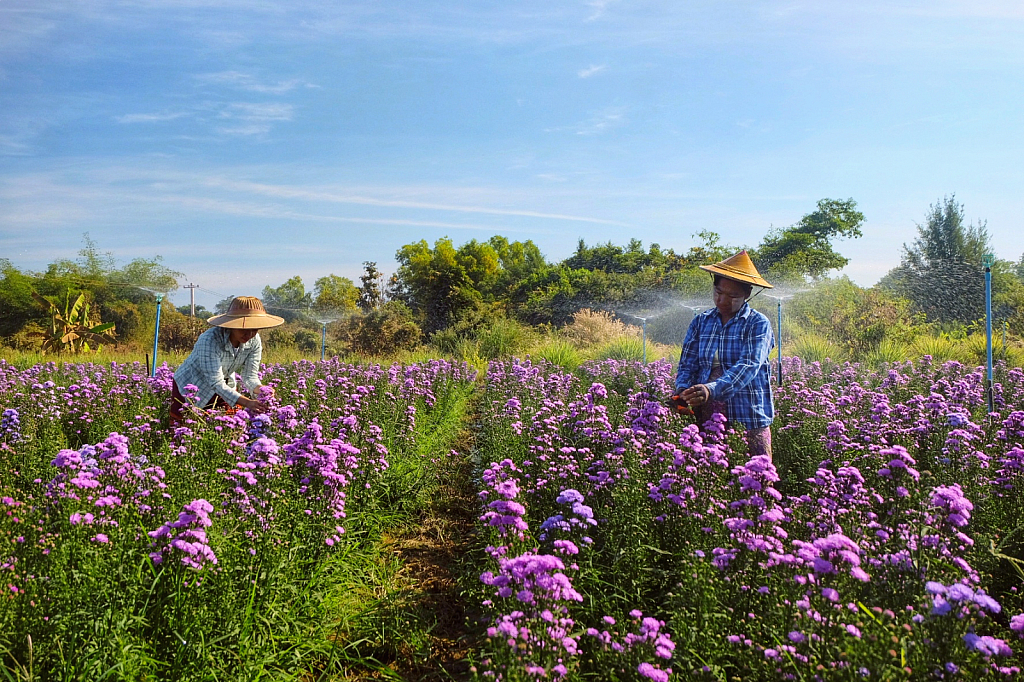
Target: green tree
[[290, 300], [15, 299], [335, 294], [438, 285], [371, 289], [805, 249], [941, 271]]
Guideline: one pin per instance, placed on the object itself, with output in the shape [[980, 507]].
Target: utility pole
[[193, 288]]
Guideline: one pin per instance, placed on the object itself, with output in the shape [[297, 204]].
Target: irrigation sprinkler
[[988, 260], [644, 336], [325, 318], [779, 298], [779, 340], [159, 294], [156, 333], [1006, 325]]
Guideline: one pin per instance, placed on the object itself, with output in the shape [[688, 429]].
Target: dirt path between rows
[[437, 555]]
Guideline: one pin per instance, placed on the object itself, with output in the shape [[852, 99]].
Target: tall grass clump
[[940, 348], [811, 347], [503, 338], [560, 353], [631, 349], [887, 352]]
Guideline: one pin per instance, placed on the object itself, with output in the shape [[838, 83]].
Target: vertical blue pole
[[1006, 325], [323, 343], [644, 319], [156, 334], [779, 340], [988, 331]]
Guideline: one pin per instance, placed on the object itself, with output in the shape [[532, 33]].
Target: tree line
[[448, 289]]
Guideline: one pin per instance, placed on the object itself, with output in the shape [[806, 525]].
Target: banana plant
[[70, 329]]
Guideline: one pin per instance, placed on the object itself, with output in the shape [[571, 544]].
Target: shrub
[[307, 340], [179, 332], [387, 330], [595, 327]]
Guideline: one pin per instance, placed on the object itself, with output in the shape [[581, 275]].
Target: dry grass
[[596, 328]]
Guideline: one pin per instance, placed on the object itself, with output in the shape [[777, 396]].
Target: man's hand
[[698, 395], [679, 405]]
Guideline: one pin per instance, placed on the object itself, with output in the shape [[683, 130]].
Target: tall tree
[[438, 285], [941, 271], [371, 289], [334, 295], [805, 249], [290, 300]]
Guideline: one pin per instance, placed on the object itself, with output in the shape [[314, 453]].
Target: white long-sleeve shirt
[[213, 363]]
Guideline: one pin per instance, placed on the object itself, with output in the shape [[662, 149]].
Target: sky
[[248, 141]]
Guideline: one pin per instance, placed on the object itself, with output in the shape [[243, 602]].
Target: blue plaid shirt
[[212, 365], [743, 346]]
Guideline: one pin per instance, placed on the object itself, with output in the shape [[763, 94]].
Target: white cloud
[[602, 122], [245, 81], [284, 191], [599, 7], [150, 118], [254, 118], [590, 70], [248, 111], [11, 146]]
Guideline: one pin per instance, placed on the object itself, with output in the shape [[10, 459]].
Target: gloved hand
[[679, 405]]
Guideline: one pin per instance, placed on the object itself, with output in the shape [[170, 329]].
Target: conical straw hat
[[739, 268], [246, 312]]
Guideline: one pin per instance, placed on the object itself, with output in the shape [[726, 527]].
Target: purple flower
[[650, 672]]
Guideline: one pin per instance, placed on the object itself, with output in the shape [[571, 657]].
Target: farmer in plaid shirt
[[724, 364], [232, 345]]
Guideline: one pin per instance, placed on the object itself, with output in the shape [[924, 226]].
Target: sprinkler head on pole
[[988, 260]]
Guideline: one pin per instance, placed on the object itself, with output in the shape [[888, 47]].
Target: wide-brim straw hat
[[740, 269], [246, 312]]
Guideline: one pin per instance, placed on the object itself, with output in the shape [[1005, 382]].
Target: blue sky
[[249, 141]]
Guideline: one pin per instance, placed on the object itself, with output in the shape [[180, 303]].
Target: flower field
[[221, 550], [613, 541], [624, 544]]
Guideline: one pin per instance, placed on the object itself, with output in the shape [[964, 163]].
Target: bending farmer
[[724, 364], [232, 345]]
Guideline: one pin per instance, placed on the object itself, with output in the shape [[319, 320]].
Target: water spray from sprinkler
[[643, 337]]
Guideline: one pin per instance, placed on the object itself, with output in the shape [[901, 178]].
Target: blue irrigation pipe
[[156, 333], [779, 309], [988, 327], [323, 342], [645, 338]]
